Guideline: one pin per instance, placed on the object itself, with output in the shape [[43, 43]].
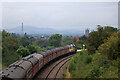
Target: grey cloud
[[60, 16]]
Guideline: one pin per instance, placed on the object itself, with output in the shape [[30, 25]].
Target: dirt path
[[68, 75]]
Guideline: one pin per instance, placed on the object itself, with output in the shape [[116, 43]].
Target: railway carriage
[[40, 59], [61, 51], [66, 49], [22, 67], [57, 52], [49, 55], [53, 53], [34, 62], [28, 66], [12, 72], [46, 56]]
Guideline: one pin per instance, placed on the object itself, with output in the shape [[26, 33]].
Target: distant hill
[[32, 30], [36, 30]]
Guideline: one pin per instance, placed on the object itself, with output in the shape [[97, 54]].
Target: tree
[[55, 40], [92, 42], [83, 38], [110, 47], [67, 41], [81, 41], [23, 51], [96, 38], [32, 48], [25, 41], [10, 44]]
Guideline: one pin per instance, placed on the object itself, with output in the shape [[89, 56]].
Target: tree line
[[15, 47], [101, 57], [106, 40]]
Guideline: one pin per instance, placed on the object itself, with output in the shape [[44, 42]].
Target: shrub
[[94, 73], [110, 47], [23, 51], [32, 48], [83, 52], [72, 65], [88, 59], [79, 47]]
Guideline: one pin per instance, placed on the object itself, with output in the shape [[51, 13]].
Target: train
[[28, 66]]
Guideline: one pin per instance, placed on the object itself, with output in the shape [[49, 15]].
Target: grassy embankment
[[92, 66]]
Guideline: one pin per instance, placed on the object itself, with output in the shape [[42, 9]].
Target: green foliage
[[92, 42], [5, 34], [79, 47], [64, 74], [83, 38], [94, 73], [72, 65], [55, 40], [39, 48], [32, 48], [83, 52], [15, 46], [92, 66], [81, 41], [96, 38], [10, 44], [110, 47], [23, 51], [25, 40], [88, 59], [9, 57], [67, 41], [41, 43], [49, 47]]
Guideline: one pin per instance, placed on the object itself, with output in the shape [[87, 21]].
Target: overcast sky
[[60, 15]]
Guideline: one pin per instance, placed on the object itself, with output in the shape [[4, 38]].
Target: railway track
[[56, 68], [53, 70]]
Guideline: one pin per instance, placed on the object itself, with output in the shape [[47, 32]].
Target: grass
[[92, 66]]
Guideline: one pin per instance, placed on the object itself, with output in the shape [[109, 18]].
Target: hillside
[[93, 66]]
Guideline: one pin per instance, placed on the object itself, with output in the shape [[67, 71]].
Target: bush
[[92, 66], [10, 58], [110, 47], [23, 51], [32, 48], [40, 49], [88, 59], [79, 47], [72, 65], [94, 73], [83, 52]]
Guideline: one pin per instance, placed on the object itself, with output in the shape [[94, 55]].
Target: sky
[[59, 15], [59, 0]]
